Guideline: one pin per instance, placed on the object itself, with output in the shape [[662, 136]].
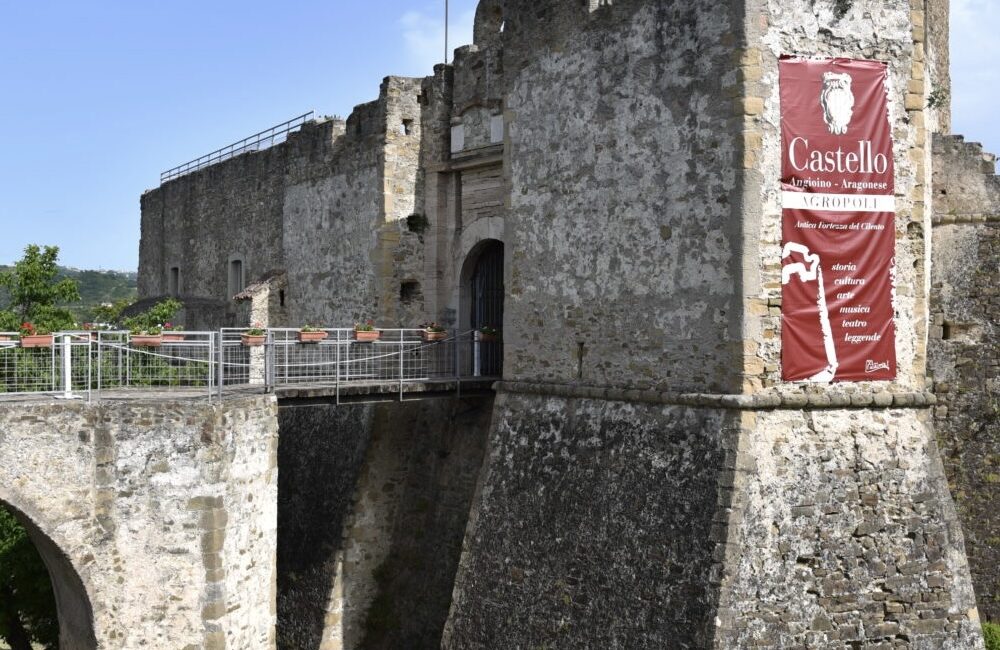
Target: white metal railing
[[90, 365]]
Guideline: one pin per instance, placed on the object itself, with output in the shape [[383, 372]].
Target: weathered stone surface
[[846, 521], [964, 359], [610, 140], [163, 515], [596, 527], [374, 501]]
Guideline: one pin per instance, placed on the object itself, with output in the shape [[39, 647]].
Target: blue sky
[[99, 97]]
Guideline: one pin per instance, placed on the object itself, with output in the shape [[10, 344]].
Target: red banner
[[838, 222]]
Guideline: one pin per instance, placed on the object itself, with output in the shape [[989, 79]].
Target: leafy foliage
[[153, 319], [35, 292], [99, 291], [109, 312], [27, 605], [991, 634]]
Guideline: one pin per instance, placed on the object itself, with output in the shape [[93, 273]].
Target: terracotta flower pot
[[487, 338], [173, 337], [36, 341], [433, 336], [256, 340], [311, 337], [363, 336], [146, 340], [4, 339]]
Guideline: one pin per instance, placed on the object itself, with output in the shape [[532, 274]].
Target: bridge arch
[[73, 605]]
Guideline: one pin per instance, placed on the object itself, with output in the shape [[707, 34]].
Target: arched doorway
[[486, 297], [25, 592]]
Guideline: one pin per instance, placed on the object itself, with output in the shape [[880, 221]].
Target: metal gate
[[487, 306]]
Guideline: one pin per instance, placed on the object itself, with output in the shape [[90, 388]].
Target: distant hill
[[103, 286], [96, 287]]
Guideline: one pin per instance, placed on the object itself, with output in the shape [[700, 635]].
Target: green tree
[[35, 291], [27, 605]]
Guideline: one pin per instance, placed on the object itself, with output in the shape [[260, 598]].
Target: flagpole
[[446, 32]]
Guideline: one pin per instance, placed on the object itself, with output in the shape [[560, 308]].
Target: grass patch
[[991, 634]]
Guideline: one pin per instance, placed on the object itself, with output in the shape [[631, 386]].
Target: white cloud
[[423, 38], [975, 52]]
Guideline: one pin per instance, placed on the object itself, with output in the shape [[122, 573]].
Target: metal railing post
[[67, 360], [53, 379], [337, 384], [400, 365], [458, 361], [90, 367], [100, 365], [211, 365], [269, 362], [222, 369]]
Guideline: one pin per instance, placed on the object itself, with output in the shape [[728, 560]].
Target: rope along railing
[[89, 365], [256, 142]]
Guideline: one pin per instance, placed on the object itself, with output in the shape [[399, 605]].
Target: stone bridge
[[157, 520], [157, 513]]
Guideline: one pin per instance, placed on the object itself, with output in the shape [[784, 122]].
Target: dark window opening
[[407, 127], [174, 281], [409, 291], [281, 298], [235, 276]]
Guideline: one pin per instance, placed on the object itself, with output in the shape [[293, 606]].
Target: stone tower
[[651, 481]]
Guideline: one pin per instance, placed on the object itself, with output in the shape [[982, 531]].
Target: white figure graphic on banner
[[813, 273]]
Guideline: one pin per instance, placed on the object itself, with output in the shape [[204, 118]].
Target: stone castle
[[598, 179]]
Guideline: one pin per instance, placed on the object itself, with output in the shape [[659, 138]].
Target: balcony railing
[[256, 142], [92, 365]]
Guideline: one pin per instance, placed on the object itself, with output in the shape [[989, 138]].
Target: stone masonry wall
[[200, 221], [848, 537], [332, 210], [592, 528], [374, 501], [166, 511], [328, 206], [938, 22], [623, 168], [965, 349]]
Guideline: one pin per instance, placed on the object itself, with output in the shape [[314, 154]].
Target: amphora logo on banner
[[838, 222]]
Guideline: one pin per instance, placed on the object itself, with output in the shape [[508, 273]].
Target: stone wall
[[848, 534], [164, 511], [327, 207], [642, 154], [592, 528], [623, 165], [965, 349], [332, 211], [938, 20], [374, 501], [200, 222]]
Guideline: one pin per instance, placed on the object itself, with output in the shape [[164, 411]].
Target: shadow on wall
[[373, 505], [72, 605]]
